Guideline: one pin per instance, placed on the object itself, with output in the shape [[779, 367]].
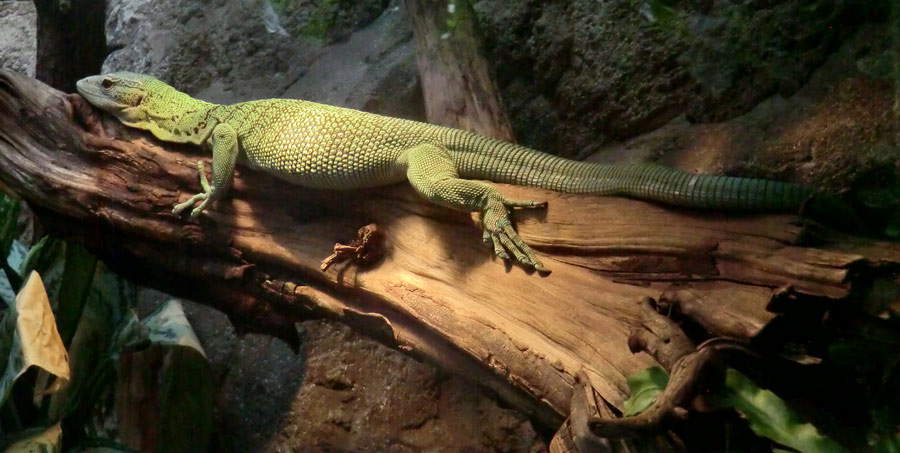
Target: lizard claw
[[196, 212], [180, 207], [203, 197], [499, 232]]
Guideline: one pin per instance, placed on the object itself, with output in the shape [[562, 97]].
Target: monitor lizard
[[326, 147]]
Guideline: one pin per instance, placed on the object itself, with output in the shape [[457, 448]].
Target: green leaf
[[9, 215], [888, 445], [47, 257], [661, 12], [9, 287], [7, 338], [105, 325], [892, 231], [769, 416], [645, 386], [77, 276]]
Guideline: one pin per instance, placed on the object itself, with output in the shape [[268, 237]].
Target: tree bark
[[71, 40], [456, 81], [437, 293]]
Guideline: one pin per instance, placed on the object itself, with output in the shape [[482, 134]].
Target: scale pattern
[[328, 147], [321, 146]]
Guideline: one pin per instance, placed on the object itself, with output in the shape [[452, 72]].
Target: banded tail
[[477, 157]]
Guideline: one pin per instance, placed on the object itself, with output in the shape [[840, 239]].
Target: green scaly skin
[[325, 147]]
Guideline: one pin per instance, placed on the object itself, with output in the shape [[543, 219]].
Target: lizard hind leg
[[431, 171]]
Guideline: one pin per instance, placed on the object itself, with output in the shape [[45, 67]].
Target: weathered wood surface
[[437, 293], [456, 79]]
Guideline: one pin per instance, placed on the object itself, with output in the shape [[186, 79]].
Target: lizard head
[[119, 93], [145, 102]]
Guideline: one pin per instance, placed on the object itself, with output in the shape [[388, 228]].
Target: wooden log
[[437, 293]]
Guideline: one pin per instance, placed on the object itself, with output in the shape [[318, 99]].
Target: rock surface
[[578, 74], [342, 392], [232, 51], [17, 36], [839, 131]]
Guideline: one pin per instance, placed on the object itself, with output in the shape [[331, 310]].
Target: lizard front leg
[[225, 152], [433, 174]]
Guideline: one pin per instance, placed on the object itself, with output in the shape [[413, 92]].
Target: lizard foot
[[203, 197], [499, 232]]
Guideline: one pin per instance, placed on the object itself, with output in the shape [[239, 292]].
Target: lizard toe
[[499, 232], [199, 209], [181, 207], [509, 245], [524, 203], [530, 255], [498, 248]]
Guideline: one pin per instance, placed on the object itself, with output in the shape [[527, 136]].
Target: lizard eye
[[106, 83]]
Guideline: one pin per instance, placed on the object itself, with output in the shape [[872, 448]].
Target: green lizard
[[326, 147]]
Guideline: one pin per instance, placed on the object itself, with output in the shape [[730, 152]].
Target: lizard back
[[322, 146]]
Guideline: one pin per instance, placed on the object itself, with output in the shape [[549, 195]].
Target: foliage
[[325, 20], [645, 386], [322, 19], [454, 13], [281, 6], [869, 357], [78, 274], [9, 214], [72, 306], [38, 439], [767, 414], [179, 373], [888, 445], [27, 341]]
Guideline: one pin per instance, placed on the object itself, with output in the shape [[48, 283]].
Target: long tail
[[482, 158]]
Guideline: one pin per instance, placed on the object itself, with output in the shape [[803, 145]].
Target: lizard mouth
[[86, 88], [89, 88]]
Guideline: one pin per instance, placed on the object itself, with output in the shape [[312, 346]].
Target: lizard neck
[[173, 116]]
